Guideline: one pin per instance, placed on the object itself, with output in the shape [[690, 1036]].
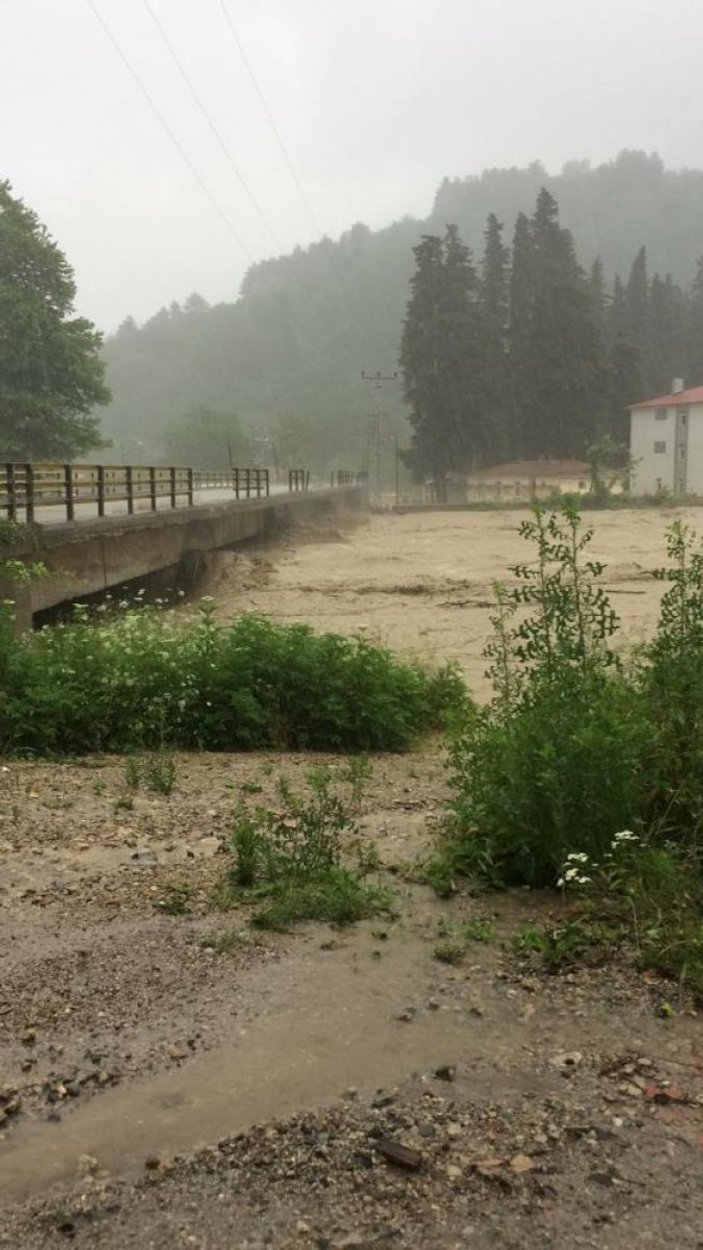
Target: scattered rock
[[401, 1156], [445, 1072]]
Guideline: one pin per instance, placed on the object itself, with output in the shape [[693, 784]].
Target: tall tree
[[563, 376], [495, 310], [443, 360], [625, 384], [51, 374], [520, 317], [695, 329]]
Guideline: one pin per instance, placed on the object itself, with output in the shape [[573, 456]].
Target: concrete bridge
[[89, 556]]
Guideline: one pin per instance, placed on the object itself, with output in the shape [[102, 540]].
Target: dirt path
[[173, 1080]]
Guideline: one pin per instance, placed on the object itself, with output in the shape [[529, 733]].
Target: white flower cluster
[[625, 835], [574, 871]]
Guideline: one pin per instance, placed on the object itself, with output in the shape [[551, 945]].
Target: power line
[[213, 128], [269, 116], [180, 149]]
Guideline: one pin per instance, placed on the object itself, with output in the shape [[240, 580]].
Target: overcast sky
[[375, 101]]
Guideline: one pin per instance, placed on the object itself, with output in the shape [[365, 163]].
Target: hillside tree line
[[526, 355]]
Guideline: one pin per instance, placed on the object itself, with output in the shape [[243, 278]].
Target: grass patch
[[305, 859], [147, 679]]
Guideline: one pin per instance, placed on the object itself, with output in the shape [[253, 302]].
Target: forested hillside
[[287, 355]]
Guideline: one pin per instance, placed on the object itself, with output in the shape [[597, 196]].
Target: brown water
[[327, 1021]]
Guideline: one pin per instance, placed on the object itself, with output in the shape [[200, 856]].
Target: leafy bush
[[580, 748], [306, 859], [578, 744], [148, 679]]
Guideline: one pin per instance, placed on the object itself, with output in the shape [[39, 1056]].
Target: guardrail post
[[101, 489], [68, 485], [172, 480], [189, 473], [10, 489], [29, 492], [247, 482], [129, 478], [152, 487]]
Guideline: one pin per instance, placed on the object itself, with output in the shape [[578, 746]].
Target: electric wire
[[271, 121], [213, 128], [173, 137]]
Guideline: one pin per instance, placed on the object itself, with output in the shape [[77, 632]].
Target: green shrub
[[305, 860], [146, 679]]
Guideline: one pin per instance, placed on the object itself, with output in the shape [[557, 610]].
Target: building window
[[683, 413], [660, 414], [659, 448]]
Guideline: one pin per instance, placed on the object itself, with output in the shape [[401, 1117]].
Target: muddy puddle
[[329, 1018]]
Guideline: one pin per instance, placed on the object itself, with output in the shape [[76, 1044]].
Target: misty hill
[[288, 354]]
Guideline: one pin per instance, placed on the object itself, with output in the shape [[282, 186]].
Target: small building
[[527, 480], [666, 442]]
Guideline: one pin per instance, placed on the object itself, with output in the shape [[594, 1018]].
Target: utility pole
[[378, 380]]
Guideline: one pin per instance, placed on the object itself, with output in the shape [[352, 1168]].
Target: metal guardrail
[[26, 488], [347, 477], [298, 480]]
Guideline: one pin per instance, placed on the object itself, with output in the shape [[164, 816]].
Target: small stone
[[407, 1014], [454, 1130], [88, 1164], [453, 1172], [29, 1037], [521, 1163], [152, 1163], [445, 1072], [433, 1004]]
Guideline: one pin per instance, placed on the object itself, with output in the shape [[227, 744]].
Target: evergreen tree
[[51, 375], [495, 311], [667, 355], [521, 292], [694, 336], [624, 365], [564, 374], [443, 358]]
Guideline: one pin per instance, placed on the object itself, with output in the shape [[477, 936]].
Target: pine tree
[[625, 384], [666, 356], [495, 311], [443, 358], [564, 372], [694, 336], [521, 291]]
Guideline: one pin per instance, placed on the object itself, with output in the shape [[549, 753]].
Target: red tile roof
[[533, 468], [694, 395]]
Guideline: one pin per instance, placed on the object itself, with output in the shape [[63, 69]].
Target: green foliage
[[155, 771], [206, 439], [51, 374], [648, 895], [175, 901], [305, 859], [444, 360], [558, 946], [145, 679], [449, 951], [576, 744], [609, 463]]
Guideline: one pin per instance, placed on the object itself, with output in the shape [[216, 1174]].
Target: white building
[[666, 442]]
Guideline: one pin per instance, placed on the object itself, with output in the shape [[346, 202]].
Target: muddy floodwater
[[423, 583], [171, 1078]]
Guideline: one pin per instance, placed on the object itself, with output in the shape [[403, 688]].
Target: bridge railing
[[347, 477], [25, 489]]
